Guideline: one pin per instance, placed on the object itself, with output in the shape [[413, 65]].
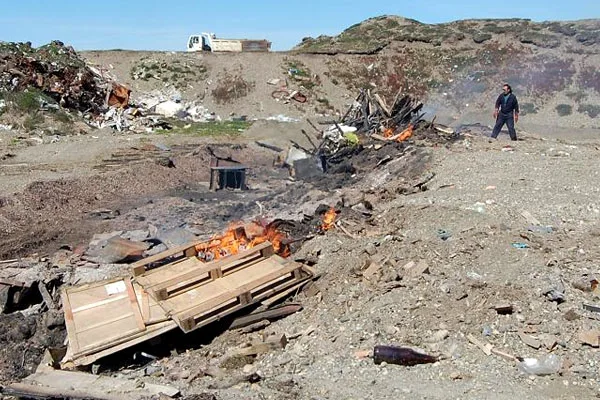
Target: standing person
[[506, 112]]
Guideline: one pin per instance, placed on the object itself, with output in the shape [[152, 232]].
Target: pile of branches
[[54, 69], [371, 115]]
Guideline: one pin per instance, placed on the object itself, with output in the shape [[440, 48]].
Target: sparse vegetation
[[577, 95], [231, 86], [216, 128], [564, 109], [25, 102], [177, 73], [528, 108], [592, 110], [589, 77], [33, 121]]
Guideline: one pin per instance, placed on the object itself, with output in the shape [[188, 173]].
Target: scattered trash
[[401, 356], [520, 245], [282, 118], [548, 364], [539, 229], [444, 234]]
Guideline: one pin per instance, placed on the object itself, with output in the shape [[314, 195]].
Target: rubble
[[57, 71]]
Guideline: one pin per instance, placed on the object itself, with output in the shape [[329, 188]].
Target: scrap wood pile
[[185, 287], [369, 124]]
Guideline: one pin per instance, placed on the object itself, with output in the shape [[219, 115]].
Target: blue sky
[[165, 25]]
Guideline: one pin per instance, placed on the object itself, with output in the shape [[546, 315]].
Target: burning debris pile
[[368, 122]]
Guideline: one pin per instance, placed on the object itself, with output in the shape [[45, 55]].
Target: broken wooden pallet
[[105, 317], [194, 294]]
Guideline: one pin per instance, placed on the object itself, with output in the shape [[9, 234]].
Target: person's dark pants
[[509, 120]]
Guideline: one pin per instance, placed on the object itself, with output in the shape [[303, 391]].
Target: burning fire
[[388, 132], [408, 132], [328, 219], [242, 237]]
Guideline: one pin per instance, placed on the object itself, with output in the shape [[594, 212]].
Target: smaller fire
[[407, 133], [388, 132], [328, 219]]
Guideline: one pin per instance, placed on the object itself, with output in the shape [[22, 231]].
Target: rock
[[370, 249], [590, 337], [571, 315], [504, 308], [115, 250], [175, 237], [413, 269], [53, 319], [438, 336], [530, 340], [137, 235], [372, 272], [168, 108]]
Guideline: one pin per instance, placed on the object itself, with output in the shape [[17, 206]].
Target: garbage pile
[[152, 111], [59, 73], [54, 69]]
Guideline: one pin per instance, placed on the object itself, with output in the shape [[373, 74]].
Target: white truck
[[209, 42]]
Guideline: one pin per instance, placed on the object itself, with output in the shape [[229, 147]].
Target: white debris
[[168, 108], [282, 118]]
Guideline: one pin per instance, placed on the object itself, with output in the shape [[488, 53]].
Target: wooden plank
[[194, 323], [274, 299], [102, 314], [29, 391], [151, 332], [71, 331], [68, 383], [272, 314], [159, 275], [138, 267], [214, 302], [134, 305], [99, 303], [160, 291], [46, 296]]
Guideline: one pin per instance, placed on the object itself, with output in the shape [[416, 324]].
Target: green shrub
[[592, 110], [528, 108], [564, 109], [32, 121]]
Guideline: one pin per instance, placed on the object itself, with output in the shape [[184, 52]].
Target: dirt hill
[[457, 68]]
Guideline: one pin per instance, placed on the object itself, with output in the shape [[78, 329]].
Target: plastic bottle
[[546, 365], [400, 356]]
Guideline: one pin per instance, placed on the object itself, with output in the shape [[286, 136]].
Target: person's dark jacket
[[511, 104]]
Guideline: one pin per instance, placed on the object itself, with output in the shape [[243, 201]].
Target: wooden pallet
[[105, 317], [194, 294]]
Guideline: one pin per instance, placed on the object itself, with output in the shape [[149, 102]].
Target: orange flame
[[328, 219], [388, 132], [408, 132], [240, 237]]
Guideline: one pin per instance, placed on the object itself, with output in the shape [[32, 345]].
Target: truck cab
[[200, 42]]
